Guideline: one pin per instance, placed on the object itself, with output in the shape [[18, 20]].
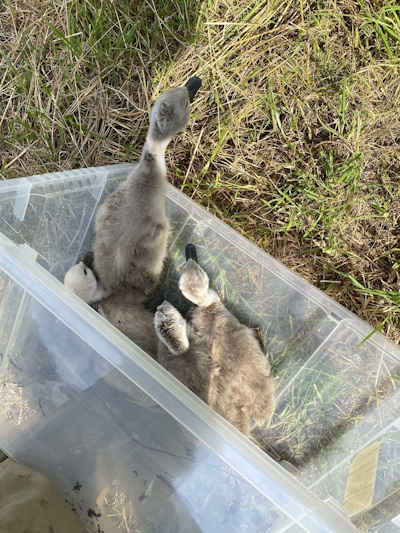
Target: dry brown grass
[[295, 135]]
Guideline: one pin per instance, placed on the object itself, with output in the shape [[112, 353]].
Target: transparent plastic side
[[12, 223], [387, 481], [383, 517], [52, 213], [343, 399], [11, 296], [117, 457], [62, 227]]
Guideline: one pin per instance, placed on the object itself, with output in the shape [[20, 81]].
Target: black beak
[[162, 297], [190, 251], [193, 85]]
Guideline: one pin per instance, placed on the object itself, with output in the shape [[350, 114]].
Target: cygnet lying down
[[214, 355], [120, 309], [131, 225]]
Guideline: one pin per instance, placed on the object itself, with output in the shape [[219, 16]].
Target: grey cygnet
[[131, 225], [214, 355]]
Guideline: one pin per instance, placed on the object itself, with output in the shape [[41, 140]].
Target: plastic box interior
[[129, 447]]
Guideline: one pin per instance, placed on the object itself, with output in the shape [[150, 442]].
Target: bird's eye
[[85, 272]]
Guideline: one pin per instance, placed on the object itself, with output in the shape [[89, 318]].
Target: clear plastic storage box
[[133, 450]]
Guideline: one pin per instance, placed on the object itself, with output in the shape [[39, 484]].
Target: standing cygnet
[[214, 355], [131, 318], [131, 225]]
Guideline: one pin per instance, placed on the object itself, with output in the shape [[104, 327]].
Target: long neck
[[154, 152]]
